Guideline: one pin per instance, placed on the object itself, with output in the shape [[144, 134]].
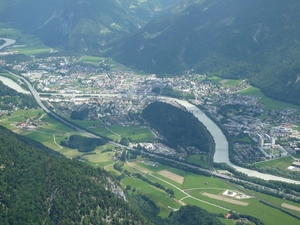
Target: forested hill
[[80, 25], [10, 98], [39, 186], [257, 39], [179, 127]]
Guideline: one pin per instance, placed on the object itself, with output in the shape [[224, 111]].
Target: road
[[174, 186]]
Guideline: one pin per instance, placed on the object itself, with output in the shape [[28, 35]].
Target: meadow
[[199, 160], [281, 163], [160, 197], [269, 103], [133, 132], [195, 185]]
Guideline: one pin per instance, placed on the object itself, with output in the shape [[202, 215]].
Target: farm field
[[135, 133], [199, 160], [160, 197], [32, 50], [268, 102], [282, 163], [195, 185], [91, 59], [225, 82]]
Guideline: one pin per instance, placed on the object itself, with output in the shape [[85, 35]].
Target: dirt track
[[290, 207], [221, 198], [172, 176]]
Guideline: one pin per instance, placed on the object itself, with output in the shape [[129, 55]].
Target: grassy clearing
[[32, 50], [161, 198], [281, 163], [133, 132], [232, 82], [199, 160], [269, 102], [91, 59], [244, 139], [267, 214], [278, 201], [197, 181], [149, 166], [100, 129]]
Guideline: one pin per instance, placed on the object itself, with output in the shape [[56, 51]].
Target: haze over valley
[[149, 112]]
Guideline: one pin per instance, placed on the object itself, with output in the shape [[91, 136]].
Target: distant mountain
[[80, 24], [257, 39]]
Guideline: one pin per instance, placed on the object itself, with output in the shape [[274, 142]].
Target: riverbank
[[7, 42], [12, 84], [222, 151]]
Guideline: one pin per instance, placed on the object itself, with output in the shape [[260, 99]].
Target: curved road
[[221, 151]]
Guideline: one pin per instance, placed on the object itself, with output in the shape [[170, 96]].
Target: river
[[221, 152], [7, 42], [12, 84]]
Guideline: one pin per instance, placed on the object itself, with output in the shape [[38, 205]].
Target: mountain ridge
[[256, 40]]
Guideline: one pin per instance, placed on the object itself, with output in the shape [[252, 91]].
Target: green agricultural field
[[281, 163], [269, 102], [216, 79], [244, 139], [32, 50], [40, 137], [100, 159], [91, 59], [101, 130], [106, 133], [160, 197], [278, 201], [133, 132], [149, 166], [55, 125], [232, 82], [199, 160], [197, 181]]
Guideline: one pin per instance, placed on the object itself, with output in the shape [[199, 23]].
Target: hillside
[[39, 186], [179, 128], [256, 39], [80, 25]]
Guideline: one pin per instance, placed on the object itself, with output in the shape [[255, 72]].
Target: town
[[115, 95]]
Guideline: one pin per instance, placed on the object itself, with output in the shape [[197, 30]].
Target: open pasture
[[133, 132], [91, 59], [152, 166], [269, 102], [160, 197], [255, 208], [282, 163], [177, 178], [32, 50], [199, 160], [225, 199]]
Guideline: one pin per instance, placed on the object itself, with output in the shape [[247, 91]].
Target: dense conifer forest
[[179, 127], [41, 186]]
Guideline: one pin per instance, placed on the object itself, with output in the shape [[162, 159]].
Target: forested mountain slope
[[80, 24], [257, 39], [39, 186]]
